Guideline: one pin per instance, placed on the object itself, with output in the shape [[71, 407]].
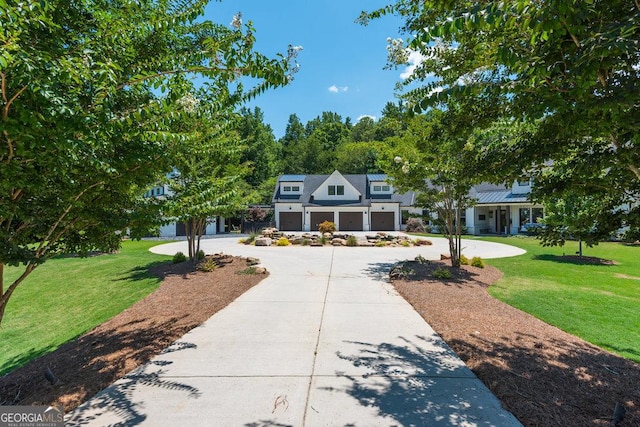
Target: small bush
[[179, 257], [352, 241], [476, 261], [405, 243], [323, 240], [327, 227], [201, 255], [381, 244], [421, 260], [209, 264], [464, 260], [442, 273], [415, 225], [305, 242], [283, 241], [247, 271]]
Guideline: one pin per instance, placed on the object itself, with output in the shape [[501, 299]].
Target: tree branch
[[633, 168], [44, 244], [172, 72]]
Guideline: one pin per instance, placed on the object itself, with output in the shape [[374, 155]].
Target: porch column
[[499, 220], [508, 215]]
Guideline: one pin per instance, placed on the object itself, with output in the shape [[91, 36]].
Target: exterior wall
[[482, 219], [169, 230]]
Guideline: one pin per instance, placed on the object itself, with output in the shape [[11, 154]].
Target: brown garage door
[[350, 221], [290, 221], [382, 221], [318, 217]]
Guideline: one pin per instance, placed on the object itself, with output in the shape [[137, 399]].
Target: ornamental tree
[[84, 125], [430, 158], [569, 68]]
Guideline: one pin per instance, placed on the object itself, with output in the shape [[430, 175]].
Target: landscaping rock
[[252, 261], [263, 241]]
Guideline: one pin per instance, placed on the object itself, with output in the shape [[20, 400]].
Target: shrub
[[442, 273], [421, 260], [257, 214], [405, 243], [179, 257], [381, 244], [305, 242], [464, 260], [283, 241], [209, 264], [323, 240], [249, 239], [415, 225], [201, 255], [327, 227], [352, 241], [476, 261]]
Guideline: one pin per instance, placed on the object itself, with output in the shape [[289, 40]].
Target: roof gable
[[336, 179]]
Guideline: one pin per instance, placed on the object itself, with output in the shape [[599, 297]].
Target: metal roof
[[377, 177], [498, 197], [292, 178]]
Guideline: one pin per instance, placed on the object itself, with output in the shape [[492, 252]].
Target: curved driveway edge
[[323, 341]]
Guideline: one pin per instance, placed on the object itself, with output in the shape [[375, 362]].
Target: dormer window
[[336, 190], [291, 188], [381, 188]]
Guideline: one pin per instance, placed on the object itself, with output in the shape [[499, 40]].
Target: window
[[537, 214], [377, 188], [386, 188], [287, 188], [524, 216], [336, 190], [295, 188], [523, 183]]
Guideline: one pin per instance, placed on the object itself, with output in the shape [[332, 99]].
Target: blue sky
[[341, 64]]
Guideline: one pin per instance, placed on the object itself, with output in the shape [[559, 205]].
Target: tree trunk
[[580, 247], [4, 297]]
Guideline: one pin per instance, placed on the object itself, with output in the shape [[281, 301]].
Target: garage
[[290, 221], [383, 221], [350, 221], [319, 217]]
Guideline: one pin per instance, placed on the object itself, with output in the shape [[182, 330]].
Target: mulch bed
[[541, 374], [83, 367]]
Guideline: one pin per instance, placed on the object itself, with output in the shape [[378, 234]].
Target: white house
[[177, 229], [352, 202], [370, 203]]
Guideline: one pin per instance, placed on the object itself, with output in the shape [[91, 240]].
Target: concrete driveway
[[323, 341]]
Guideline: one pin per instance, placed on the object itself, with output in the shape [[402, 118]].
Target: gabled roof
[[360, 182]]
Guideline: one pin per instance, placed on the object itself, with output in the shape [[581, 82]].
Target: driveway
[[323, 341]]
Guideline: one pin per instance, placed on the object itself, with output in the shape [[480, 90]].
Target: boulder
[[263, 241]]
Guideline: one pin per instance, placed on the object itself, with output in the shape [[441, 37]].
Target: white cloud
[[414, 60], [336, 89], [366, 115]]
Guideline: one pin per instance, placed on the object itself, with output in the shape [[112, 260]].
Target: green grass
[[65, 297], [599, 303]]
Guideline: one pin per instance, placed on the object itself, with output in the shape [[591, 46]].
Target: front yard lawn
[[599, 303], [66, 297]]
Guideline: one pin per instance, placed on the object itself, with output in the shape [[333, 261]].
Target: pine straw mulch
[[184, 300], [541, 374]]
